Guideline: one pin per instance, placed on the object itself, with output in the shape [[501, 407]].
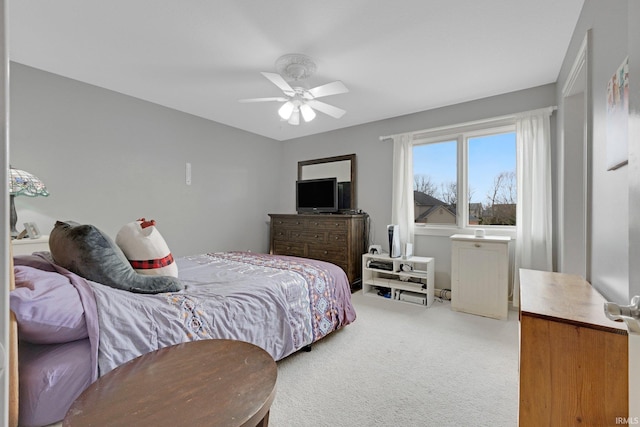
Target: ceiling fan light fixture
[[295, 66], [307, 113], [298, 100], [286, 110], [295, 118]]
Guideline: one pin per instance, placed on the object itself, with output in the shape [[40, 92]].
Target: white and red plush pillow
[[145, 249]]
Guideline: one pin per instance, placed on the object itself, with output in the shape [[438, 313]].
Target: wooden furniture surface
[[199, 383], [336, 238], [480, 275], [573, 359], [14, 389]]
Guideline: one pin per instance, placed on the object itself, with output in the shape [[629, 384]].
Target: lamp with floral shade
[[22, 183]]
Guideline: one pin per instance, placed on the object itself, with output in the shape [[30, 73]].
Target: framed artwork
[[618, 117]]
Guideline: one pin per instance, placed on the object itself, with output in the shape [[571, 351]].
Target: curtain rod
[[476, 122]]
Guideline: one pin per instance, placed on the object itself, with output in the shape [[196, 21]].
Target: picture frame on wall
[[618, 117]]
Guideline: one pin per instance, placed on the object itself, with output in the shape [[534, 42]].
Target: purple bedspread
[[51, 377], [328, 287], [42, 261], [279, 303]]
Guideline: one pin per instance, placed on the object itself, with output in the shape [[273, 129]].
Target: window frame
[[461, 134]]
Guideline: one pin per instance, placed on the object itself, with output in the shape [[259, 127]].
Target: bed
[[73, 330]]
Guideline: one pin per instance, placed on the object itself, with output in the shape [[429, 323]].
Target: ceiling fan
[[299, 101]]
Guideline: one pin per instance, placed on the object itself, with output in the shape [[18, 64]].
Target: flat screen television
[[317, 195]]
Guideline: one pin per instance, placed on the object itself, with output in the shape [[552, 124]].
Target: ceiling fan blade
[[329, 110], [275, 98], [277, 80], [333, 88]]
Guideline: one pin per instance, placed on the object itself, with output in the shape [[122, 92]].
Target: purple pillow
[[47, 307]]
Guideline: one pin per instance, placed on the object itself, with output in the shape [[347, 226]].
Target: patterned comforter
[[279, 303]]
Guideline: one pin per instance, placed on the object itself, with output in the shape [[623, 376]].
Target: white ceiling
[[201, 57]]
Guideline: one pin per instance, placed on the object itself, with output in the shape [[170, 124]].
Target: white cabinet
[[28, 246], [402, 279], [480, 275]]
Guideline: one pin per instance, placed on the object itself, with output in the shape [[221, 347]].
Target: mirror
[[342, 167]]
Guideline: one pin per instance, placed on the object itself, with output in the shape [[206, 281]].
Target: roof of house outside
[[450, 209], [424, 199]]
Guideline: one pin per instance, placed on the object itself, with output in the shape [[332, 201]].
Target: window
[[492, 183], [466, 178], [435, 175]]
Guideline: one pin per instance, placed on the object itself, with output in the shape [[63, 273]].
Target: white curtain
[[402, 200], [533, 217]]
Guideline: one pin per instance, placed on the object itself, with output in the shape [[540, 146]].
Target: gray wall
[[615, 227], [108, 159], [609, 205], [634, 148], [374, 160]]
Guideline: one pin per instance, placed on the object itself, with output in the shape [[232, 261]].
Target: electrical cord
[[366, 229], [444, 294]]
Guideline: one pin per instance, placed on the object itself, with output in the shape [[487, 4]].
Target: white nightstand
[[28, 246]]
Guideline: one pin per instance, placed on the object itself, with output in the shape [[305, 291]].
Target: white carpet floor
[[404, 365]]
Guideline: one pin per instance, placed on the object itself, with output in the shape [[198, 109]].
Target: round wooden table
[[199, 383]]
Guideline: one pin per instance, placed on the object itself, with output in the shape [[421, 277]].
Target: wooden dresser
[[336, 238], [573, 359]]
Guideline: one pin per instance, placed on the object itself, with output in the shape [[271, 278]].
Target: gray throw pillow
[[88, 252]]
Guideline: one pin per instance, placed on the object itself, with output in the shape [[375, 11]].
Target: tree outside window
[[488, 162]]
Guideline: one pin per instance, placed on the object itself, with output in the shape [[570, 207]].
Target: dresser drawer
[[290, 223], [298, 235], [328, 253], [311, 237], [288, 248], [328, 224], [337, 237], [280, 233]]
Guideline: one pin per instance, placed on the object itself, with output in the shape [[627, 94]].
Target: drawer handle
[[325, 252], [315, 223], [297, 222], [477, 245], [337, 238], [317, 236]]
